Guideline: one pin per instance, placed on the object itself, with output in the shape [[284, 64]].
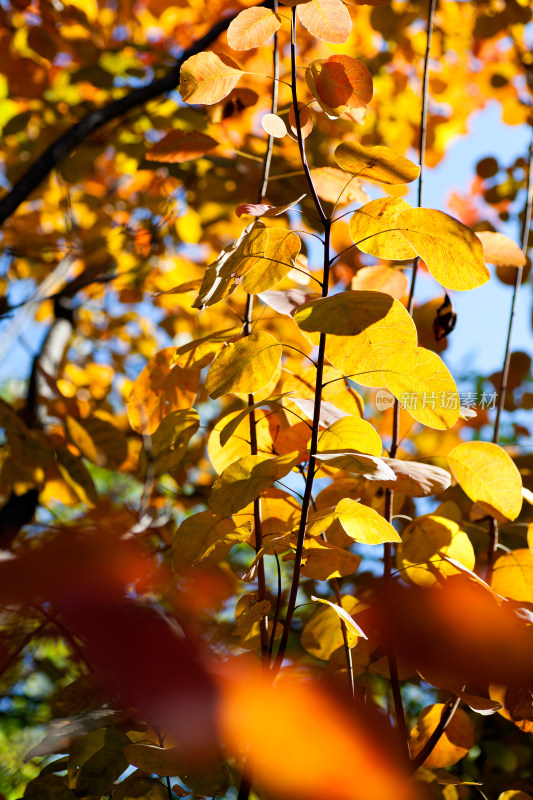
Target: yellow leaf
[[274, 126], [451, 251], [81, 438], [350, 433], [328, 20], [514, 794], [170, 441], [489, 477], [344, 314], [377, 164], [364, 524], [322, 561], [335, 389], [162, 387], [76, 476], [205, 537], [425, 543], [513, 575], [306, 121], [179, 146], [365, 355], [423, 385], [238, 445], [252, 28], [243, 481], [244, 367], [368, 222], [208, 78], [322, 633], [500, 250], [334, 186], [199, 353], [453, 745], [349, 621]]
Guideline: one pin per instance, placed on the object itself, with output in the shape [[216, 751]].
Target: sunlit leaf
[[365, 355], [378, 164], [265, 210], [162, 387], [345, 313], [243, 481], [344, 81], [350, 433], [368, 222], [170, 441], [322, 561], [349, 621], [489, 477], [322, 633], [328, 20], [199, 533], [77, 476], [513, 575], [244, 367], [208, 78], [306, 120], [381, 278], [425, 542], [179, 146], [422, 383], [274, 126], [364, 524], [370, 467], [334, 186], [451, 251], [252, 28], [453, 745], [500, 250]]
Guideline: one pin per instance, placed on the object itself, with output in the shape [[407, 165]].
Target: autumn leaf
[[451, 251], [416, 479], [458, 738], [208, 78], [378, 164], [245, 366], [306, 120], [364, 524], [322, 633], [274, 126], [513, 575], [500, 250], [350, 433], [425, 543], [349, 621], [179, 146], [373, 228], [241, 482], [334, 186], [344, 314], [170, 441], [381, 278], [328, 20], [489, 477], [323, 561], [344, 81], [264, 209], [252, 28]]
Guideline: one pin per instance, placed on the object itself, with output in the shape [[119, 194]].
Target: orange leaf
[[453, 745], [252, 28], [306, 121], [381, 279], [328, 20], [208, 78], [334, 186], [178, 146], [344, 81]]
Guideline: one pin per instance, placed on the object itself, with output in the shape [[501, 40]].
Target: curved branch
[[95, 119]]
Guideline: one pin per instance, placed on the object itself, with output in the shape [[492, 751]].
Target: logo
[[384, 400]]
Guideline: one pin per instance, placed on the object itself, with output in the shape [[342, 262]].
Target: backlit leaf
[[365, 355], [489, 477], [209, 778], [252, 28], [243, 481], [344, 81], [245, 366], [453, 745], [306, 120], [345, 313], [370, 467], [170, 441], [513, 575], [77, 476], [451, 251], [274, 126], [334, 186], [350, 433], [364, 524], [208, 78], [381, 278], [196, 535], [368, 222], [500, 250], [179, 146], [265, 210], [422, 383], [322, 633], [349, 621], [425, 542], [162, 387], [328, 20], [322, 561], [378, 164]]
